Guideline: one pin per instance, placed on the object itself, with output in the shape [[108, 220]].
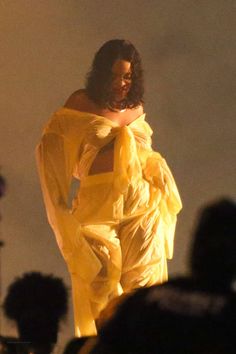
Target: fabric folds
[[120, 230]]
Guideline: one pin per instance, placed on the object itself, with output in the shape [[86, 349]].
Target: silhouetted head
[[37, 302], [176, 317], [213, 253], [116, 75]]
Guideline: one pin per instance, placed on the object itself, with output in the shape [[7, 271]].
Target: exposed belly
[[103, 161]]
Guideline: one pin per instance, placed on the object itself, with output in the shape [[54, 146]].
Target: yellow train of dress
[[120, 229]]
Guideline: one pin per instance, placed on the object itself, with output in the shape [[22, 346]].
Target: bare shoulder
[[136, 112], [78, 100], [139, 110], [130, 115]]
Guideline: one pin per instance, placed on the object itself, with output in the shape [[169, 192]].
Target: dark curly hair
[[37, 303], [99, 78]]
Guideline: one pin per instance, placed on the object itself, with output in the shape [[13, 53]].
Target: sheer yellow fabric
[[120, 230]]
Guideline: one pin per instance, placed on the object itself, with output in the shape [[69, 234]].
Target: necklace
[[113, 108]]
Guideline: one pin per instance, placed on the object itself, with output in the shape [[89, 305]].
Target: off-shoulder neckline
[[76, 111]]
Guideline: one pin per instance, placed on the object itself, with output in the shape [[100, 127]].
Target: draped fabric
[[120, 229]]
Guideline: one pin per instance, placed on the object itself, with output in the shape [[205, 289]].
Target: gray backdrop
[[189, 56]]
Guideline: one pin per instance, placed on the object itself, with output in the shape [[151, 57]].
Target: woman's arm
[[56, 157]]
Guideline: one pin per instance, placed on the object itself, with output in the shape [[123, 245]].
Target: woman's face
[[121, 79]]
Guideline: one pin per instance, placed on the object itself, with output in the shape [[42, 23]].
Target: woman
[[119, 231]]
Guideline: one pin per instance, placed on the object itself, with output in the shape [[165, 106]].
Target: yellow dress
[[120, 229]]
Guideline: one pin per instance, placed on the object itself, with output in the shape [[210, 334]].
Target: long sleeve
[[56, 157], [57, 154], [169, 202]]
